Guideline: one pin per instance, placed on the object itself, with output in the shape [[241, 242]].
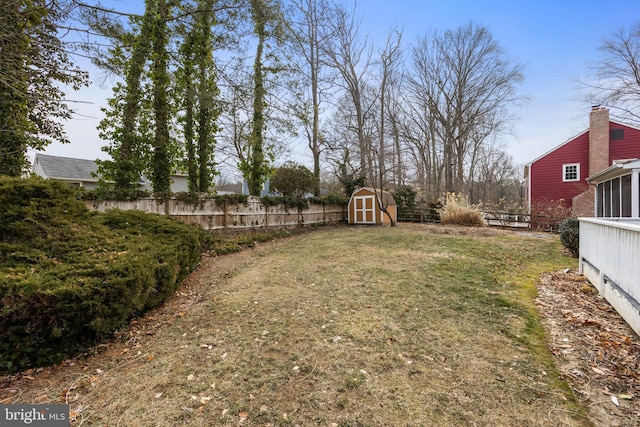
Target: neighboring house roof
[[65, 168], [83, 170]]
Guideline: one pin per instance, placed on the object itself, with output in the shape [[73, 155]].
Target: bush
[[70, 278], [292, 180], [547, 214], [457, 210], [405, 197], [569, 229]]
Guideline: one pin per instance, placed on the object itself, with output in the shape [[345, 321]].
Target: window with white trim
[[571, 172]]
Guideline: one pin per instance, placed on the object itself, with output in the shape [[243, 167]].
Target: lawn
[[347, 326]]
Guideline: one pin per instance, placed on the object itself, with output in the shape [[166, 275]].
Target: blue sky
[[555, 40]]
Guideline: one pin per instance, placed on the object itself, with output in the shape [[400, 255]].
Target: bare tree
[[350, 55], [309, 31], [616, 76], [495, 177], [468, 84], [390, 59], [420, 131]]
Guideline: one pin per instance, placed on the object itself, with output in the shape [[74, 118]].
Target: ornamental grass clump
[[457, 210]]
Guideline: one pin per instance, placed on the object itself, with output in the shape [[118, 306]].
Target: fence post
[[225, 208], [324, 215]]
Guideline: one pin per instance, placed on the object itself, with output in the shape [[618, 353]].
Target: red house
[[561, 174]]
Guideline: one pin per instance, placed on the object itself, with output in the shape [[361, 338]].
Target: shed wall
[[379, 216]]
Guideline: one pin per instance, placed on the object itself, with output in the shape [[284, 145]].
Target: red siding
[[627, 148], [545, 174]]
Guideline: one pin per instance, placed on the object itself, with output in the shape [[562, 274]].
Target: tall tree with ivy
[[138, 120], [161, 161], [267, 24], [198, 87], [34, 63], [125, 126]]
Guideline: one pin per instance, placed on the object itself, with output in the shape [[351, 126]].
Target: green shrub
[[405, 197], [111, 193], [292, 180], [569, 230], [70, 278], [36, 208], [287, 202]]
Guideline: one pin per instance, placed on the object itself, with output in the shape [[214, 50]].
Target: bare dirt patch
[[596, 351]]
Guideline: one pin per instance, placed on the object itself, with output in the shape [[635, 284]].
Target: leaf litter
[[596, 351]]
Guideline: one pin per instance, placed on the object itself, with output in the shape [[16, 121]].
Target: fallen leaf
[[615, 400], [625, 396]]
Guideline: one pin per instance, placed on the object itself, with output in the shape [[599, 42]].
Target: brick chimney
[[598, 140]]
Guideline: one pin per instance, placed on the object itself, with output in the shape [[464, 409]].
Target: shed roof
[[66, 168], [385, 197]]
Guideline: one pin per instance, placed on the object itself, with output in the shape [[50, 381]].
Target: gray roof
[[66, 168]]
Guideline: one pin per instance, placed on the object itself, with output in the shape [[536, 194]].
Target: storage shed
[[365, 207]]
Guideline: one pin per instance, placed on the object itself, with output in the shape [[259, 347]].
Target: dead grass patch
[[362, 326]]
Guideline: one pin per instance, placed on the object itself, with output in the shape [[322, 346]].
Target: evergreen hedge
[[569, 230], [69, 277]]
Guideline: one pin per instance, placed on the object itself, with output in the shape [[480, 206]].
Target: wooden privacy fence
[[214, 214]]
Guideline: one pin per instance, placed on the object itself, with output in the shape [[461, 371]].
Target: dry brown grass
[[352, 326], [458, 211]]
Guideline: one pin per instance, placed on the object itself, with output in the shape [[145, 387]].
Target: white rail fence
[[214, 214], [610, 259]]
